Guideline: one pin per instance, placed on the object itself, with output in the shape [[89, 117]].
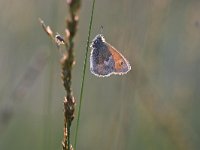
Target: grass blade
[[83, 77]]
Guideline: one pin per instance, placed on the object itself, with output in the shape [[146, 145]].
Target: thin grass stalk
[[67, 64], [83, 77]]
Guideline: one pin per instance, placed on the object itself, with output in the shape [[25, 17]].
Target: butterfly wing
[[122, 66], [106, 60], [101, 60]]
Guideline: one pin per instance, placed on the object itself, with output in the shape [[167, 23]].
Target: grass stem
[[83, 77]]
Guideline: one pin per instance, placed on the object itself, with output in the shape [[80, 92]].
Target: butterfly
[[105, 60]]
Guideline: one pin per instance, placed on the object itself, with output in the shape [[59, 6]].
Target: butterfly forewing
[[122, 66]]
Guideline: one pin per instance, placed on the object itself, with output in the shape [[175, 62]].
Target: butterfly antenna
[[101, 29]]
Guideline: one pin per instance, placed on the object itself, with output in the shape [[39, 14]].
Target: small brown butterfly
[[106, 60]]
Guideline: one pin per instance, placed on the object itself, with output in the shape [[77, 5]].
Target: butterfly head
[[98, 41]]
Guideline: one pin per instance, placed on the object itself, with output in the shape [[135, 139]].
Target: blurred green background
[[154, 107]]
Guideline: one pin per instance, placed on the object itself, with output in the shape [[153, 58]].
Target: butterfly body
[[106, 60]]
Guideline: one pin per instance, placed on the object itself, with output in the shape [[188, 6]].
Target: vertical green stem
[[83, 78]]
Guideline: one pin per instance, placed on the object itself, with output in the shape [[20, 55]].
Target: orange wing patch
[[118, 58]]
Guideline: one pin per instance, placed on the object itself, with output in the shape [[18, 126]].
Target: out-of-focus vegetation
[[154, 107]]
